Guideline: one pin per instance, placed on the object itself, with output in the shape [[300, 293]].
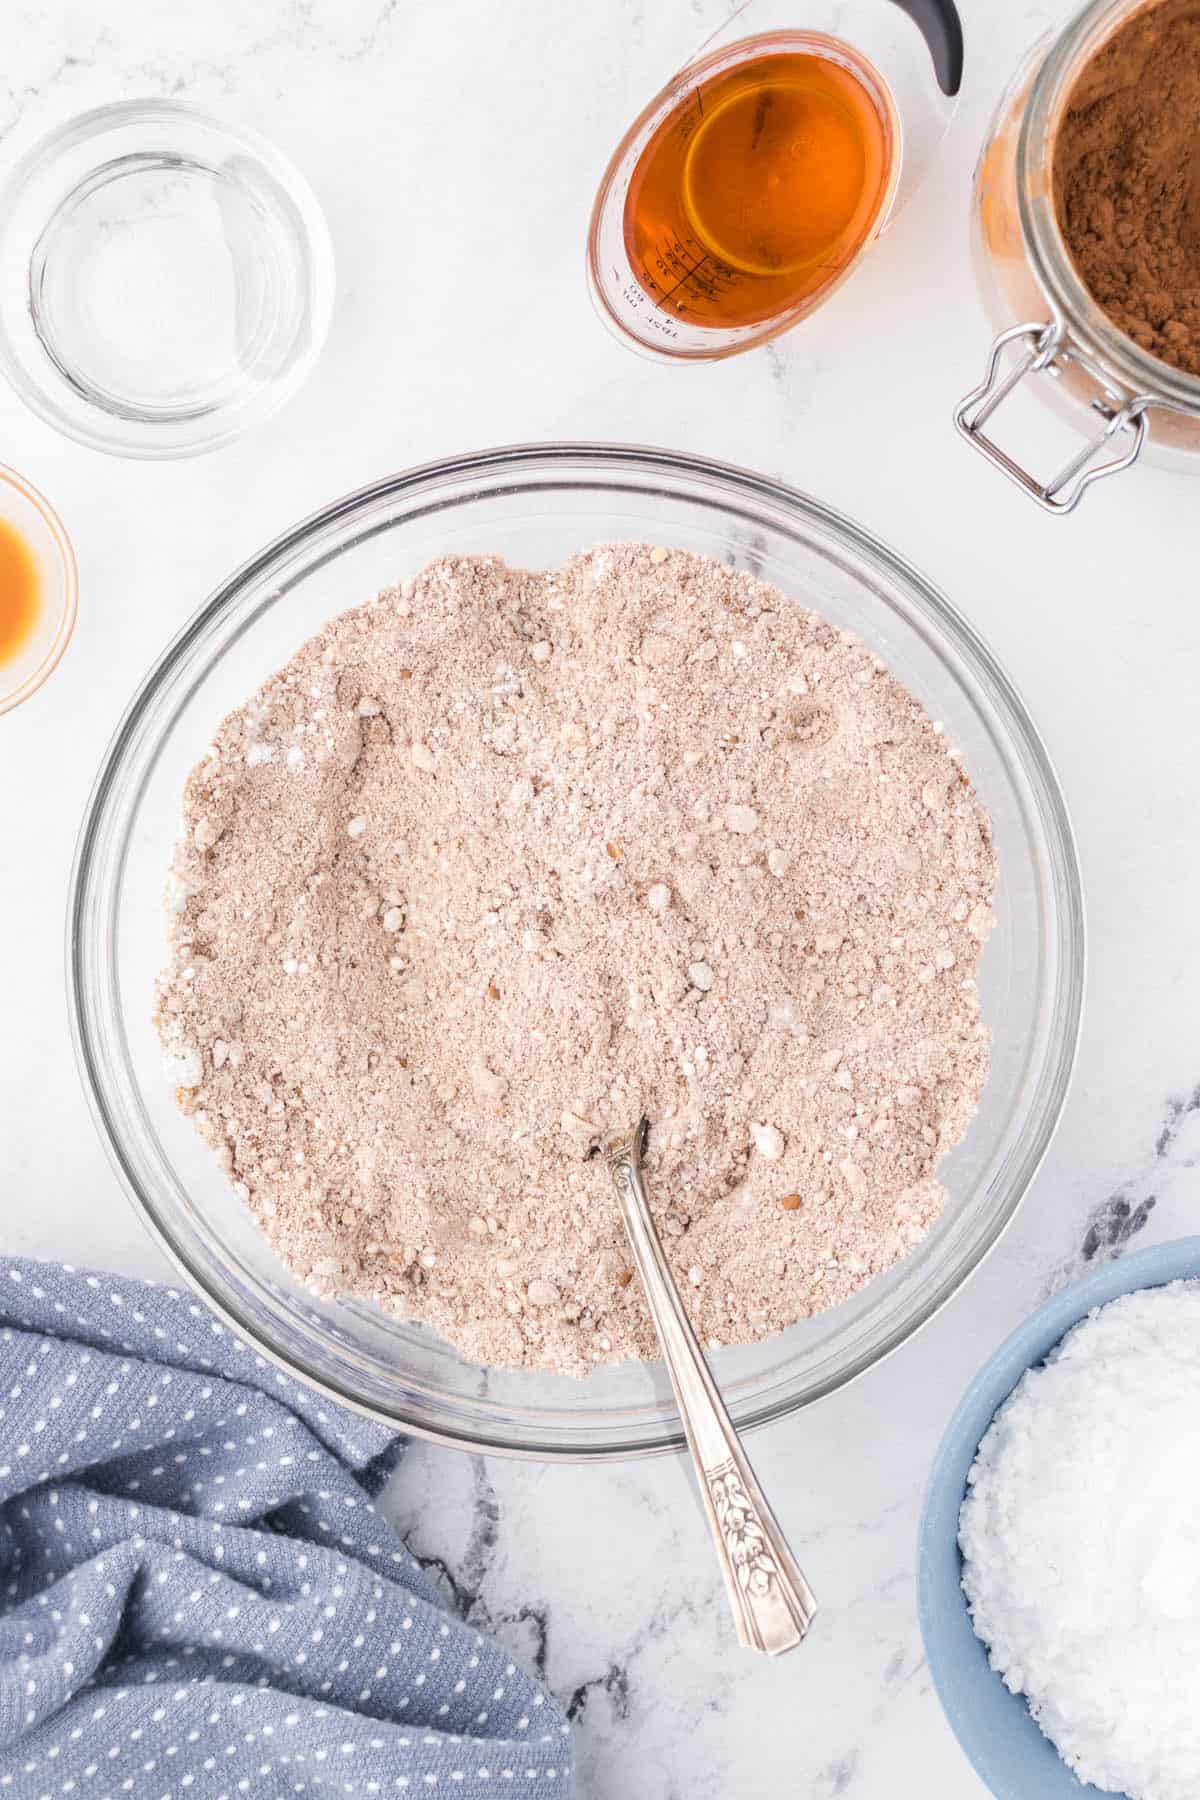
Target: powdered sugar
[[532, 852], [1081, 1559]]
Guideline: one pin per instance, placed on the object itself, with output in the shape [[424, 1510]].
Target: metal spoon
[[773, 1605]]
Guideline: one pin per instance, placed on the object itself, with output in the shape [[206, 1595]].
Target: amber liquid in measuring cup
[[20, 592], [757, 192]]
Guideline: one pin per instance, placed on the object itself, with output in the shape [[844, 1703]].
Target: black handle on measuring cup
[[940, 26]]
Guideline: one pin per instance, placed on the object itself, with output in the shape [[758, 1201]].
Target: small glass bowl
[[58, 588], [165, 280], [536, 506]]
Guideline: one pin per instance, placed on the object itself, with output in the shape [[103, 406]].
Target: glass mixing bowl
[[536, 506]]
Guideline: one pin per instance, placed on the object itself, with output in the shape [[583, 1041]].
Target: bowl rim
[[523, 462], [69, 608], [1024, 1348]]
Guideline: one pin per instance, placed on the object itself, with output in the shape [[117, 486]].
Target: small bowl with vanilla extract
[[38, 589]]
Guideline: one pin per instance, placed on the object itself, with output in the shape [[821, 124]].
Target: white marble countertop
[[447, 138]]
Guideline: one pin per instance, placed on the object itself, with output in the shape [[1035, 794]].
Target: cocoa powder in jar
[[1126, 174]]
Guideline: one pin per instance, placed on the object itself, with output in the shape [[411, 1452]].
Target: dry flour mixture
[[500, 859]]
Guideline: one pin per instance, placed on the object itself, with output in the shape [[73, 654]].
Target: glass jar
[[1121, 399]]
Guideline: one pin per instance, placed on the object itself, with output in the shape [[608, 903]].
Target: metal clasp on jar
[[1048, 350]]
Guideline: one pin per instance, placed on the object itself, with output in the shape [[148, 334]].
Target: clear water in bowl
[[535, 508], [166, 279], [159, 284]]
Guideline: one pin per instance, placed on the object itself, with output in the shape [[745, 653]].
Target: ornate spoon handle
[[773, 1605]]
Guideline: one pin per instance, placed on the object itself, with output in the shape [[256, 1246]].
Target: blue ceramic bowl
[[994, 1727]]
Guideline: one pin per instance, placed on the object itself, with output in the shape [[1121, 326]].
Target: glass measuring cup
[[675, 282]]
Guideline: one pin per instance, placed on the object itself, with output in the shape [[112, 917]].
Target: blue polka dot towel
[[198, 1600]]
